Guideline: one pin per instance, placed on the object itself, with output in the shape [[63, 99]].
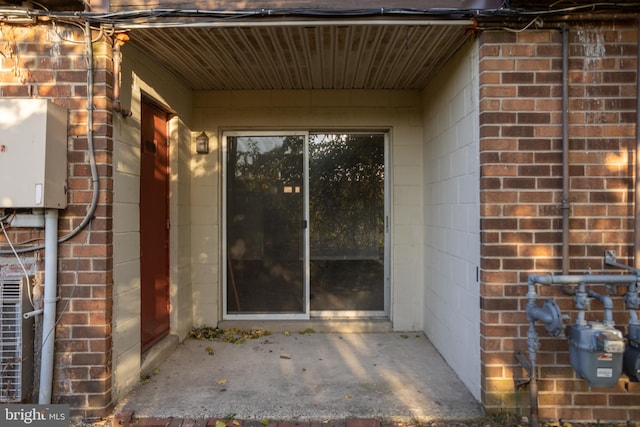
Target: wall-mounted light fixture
[[202, 144]]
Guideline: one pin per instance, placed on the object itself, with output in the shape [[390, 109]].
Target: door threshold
[[335, 325]]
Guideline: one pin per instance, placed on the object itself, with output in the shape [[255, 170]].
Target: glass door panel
[[347, 222], [265, 250]]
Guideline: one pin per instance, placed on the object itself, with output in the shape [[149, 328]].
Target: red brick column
[[521, 191], [47, 62]]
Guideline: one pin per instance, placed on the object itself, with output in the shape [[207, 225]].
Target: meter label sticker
[[605, 356], [604, 372], [38, 194]]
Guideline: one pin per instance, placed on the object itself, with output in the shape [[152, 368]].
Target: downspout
[[636, 202], [565, 152], [49, 306]]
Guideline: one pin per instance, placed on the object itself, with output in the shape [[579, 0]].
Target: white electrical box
[[33, 154]]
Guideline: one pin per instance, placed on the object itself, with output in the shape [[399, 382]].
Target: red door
[[154, 226]]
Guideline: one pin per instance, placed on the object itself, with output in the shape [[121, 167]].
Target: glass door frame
[[362, 314], [306, 313]]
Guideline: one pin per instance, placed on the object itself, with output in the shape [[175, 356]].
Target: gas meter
[[596, 352]]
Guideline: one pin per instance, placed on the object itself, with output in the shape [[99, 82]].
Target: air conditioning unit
[[16, 341]]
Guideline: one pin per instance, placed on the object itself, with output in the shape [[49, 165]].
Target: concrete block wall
[[141, 77], [47, 62], [451, 216], [521, 163]]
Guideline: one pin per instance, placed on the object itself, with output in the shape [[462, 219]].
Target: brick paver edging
[[127, 419]]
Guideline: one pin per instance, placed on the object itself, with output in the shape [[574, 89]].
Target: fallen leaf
[[235, 335], [264, 422], [404, 336], [230, 416], [235, 422], [220, 424], [348, 396], [209, 350], [287, 333], [156, 371], [222, 381], [284, 356]]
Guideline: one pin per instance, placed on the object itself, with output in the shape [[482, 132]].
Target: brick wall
[[521, 189], [48, 62]]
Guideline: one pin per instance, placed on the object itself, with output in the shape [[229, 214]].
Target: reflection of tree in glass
[[347, 195], [264, 209], [268, 160]]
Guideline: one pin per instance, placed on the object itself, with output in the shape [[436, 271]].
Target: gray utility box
[[595, 351], [33, 154]]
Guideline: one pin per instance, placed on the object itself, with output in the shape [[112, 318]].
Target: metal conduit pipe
[[564, 30], [636, 194], [49, 308], [533, 312]]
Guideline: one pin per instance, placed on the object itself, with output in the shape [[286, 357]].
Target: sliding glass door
[[305, 218], [265, 228], [347, 217]]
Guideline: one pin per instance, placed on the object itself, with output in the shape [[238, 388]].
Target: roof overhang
[[286, 44], [304, 55]]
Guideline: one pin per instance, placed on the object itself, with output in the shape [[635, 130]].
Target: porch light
[[202, 144]]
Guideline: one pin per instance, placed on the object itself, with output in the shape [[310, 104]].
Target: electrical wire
[[24, 270], [579, 8], [92, 158], [537, 21]]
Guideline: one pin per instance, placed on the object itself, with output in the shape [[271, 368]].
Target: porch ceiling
[[310, 56]]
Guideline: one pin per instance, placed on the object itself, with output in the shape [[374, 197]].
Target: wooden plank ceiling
[[359, 56]]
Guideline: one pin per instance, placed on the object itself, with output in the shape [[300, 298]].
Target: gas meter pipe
[[535, 313], [608, 306], [575, 279]]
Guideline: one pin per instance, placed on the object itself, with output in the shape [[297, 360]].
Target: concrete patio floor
[[307, 377]]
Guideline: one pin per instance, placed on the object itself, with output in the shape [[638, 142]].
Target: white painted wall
[[138, 76], [399, 111], [452, 216]]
